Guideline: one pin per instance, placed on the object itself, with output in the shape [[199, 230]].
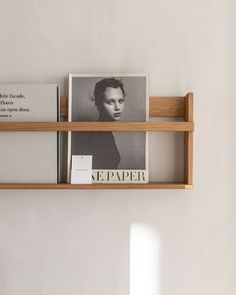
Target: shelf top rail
[[97, 126], [159, 106]]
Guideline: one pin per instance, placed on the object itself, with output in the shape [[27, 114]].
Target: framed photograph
[[117, 157]]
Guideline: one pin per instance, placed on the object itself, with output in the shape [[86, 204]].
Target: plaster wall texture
[[83, 242]]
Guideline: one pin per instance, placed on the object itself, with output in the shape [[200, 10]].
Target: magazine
[[117, 157], [29, 157]]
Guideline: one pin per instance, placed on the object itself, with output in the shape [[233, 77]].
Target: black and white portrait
[[117, 156]]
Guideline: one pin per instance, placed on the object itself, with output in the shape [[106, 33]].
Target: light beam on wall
[[144, 260]]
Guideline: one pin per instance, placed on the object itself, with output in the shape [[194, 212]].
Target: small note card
[[81, 169]]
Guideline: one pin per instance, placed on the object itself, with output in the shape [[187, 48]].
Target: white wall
[[78, 242]]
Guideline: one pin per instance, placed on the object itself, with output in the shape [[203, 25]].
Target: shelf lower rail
[[97, 126], [151, 185]]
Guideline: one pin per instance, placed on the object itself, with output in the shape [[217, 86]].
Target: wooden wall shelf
[[177, 106]]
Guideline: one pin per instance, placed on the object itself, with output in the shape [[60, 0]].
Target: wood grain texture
[[153, 185], [63, 106], [97, 126], [188, 141], [159, 106]]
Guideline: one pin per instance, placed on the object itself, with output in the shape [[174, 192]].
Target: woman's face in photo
[[113, 104]]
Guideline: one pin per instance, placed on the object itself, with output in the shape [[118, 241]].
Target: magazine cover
[[117, 157], [29, 157]]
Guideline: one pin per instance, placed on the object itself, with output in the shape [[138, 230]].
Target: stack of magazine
[[117, 157]]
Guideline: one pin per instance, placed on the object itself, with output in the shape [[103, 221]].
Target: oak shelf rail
[[97, 126], [173, 106], [150, 185]]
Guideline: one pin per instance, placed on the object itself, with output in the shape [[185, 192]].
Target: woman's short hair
[[102, 85]]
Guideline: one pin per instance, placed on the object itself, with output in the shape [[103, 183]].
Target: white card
[[81, 169]]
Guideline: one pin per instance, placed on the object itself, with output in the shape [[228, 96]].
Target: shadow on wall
[[144, 260]]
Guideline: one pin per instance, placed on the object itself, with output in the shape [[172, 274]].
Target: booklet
[[29, 157]]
